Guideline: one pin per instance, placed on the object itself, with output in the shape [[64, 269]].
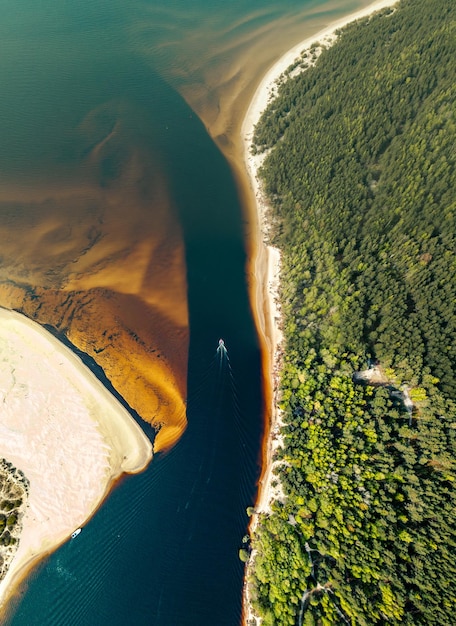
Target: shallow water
[[120, 220]]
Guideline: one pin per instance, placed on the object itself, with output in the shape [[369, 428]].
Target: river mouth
[[123, 226], [151, 198]]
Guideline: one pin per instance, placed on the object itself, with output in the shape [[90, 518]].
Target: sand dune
[[64, 431]]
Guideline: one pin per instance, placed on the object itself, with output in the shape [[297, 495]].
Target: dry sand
[[61, 427], [267, 261]]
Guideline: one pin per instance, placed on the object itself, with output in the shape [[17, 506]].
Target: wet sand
[[267, 259], [103, 263], [67, 434], [221, 61], [115, 286], [266, 266]]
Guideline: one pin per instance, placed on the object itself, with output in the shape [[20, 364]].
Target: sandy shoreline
[[65, 431], [267, 262]]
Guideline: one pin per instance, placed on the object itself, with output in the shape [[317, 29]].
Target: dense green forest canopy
[[361, 178]]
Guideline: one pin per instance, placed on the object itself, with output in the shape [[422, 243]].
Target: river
[[114, 190]]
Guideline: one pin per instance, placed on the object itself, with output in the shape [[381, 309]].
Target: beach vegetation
[[12, 520], [14, 487], [361, 178], [244, 555]]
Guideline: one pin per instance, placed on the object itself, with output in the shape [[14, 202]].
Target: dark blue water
[[163, 548]]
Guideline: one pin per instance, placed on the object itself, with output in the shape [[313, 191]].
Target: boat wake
[[221, 419], [228, 387]]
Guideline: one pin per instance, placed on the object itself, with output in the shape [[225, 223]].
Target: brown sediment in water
[[100, 258], [219, 83], [68, 465], [218, 60], [265, 261], [96, 251]]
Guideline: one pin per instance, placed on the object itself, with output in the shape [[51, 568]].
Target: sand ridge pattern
[[100, 259], [215, 59], [65, 431]]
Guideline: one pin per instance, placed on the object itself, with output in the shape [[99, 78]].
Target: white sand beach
[[267, 261], [65, 431]]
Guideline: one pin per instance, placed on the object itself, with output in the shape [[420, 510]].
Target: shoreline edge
[[267, 267], [71, 438]]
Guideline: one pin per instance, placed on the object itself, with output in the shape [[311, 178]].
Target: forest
[[361, 180]]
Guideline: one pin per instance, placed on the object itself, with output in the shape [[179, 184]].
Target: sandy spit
[[65, 431], [268, 260]]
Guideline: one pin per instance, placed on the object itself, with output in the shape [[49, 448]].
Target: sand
[[61, 427], [267, 263]]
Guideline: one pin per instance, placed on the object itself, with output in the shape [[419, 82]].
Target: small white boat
[[76, 533], [221, 343]]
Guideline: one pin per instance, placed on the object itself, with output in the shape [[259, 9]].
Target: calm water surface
[[163, 549]]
